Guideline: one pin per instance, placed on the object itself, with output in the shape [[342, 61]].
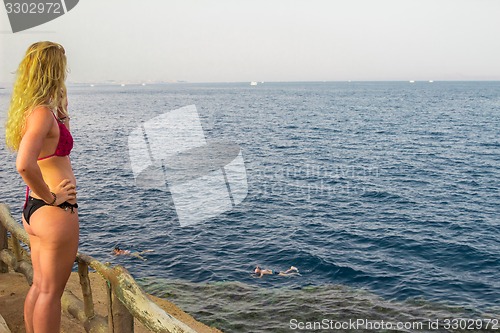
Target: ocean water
[[385, 195]]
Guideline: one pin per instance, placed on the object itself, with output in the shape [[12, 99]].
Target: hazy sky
[[269, 40]]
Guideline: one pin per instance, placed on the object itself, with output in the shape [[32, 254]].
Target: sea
[[384, 195]]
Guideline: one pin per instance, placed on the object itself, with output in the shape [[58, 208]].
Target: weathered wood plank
[[74, 306], [15, 229], [4, 244], [22, 266], [119, 318], [17, 248], [88, 302], [147, 312], [7, 257]]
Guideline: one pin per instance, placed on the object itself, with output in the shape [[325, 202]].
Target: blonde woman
[[38, 129]]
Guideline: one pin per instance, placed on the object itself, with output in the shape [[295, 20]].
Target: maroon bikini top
[[65, 143]]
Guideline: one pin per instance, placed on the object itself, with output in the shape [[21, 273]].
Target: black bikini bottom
[[33, 204]]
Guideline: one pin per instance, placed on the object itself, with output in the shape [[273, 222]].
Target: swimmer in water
[[119, 252], [261, 272]]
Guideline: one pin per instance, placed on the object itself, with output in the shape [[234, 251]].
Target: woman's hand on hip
[[65, 191]]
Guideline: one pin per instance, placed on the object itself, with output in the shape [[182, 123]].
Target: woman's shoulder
[[43, 108], [41, 113], [40, 118]]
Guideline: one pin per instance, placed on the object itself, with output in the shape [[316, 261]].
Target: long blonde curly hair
[[39, 82]]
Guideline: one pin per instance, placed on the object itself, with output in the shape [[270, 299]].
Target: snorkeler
[[119, 252], [261, 272]]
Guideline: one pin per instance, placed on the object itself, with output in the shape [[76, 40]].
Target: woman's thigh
[[35, 252], [58, 232]]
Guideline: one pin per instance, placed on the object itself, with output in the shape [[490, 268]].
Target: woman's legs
[[57, 231], [32, 295]]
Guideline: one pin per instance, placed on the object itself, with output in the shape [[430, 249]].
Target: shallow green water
[[239, 307]]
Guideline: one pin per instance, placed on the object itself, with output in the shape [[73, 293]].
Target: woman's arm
[[38, 126]]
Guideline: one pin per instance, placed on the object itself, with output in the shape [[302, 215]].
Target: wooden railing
[[126, 300]]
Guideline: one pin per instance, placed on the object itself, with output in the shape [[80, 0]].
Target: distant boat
[[430, 81], [253, 83], [411, 81]]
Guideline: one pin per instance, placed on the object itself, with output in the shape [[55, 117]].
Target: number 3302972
[[33, 8]]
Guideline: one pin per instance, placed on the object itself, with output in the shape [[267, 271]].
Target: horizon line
[[146, 82]]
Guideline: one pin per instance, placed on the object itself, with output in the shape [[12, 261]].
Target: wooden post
[[17, 248], [119, 318], [110, 310], [88, 303], [4, 268]]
